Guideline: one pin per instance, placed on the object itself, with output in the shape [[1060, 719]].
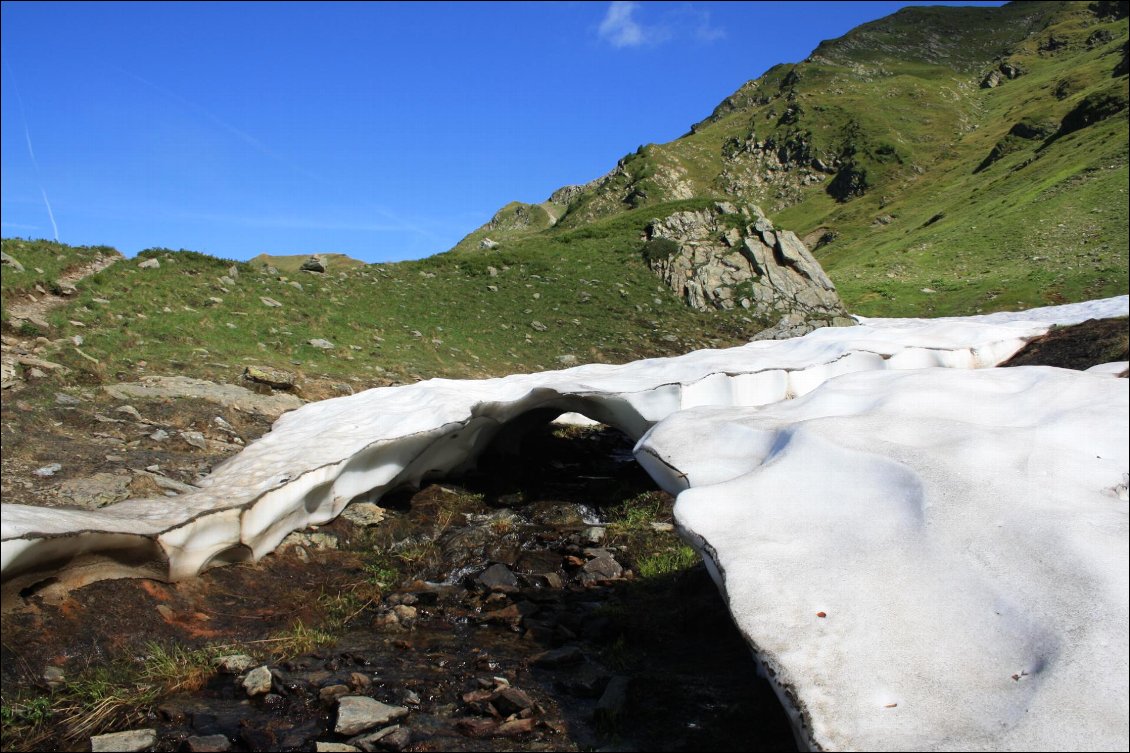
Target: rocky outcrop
[[727, 258]]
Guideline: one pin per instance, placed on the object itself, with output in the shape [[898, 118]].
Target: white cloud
[[621, 26]]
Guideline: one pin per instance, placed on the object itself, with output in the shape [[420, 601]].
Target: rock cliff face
[[725, 257]]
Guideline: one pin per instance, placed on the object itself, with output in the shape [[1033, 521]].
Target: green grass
[[44, 262]]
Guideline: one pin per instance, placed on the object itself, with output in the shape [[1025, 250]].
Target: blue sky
[[385, 131]]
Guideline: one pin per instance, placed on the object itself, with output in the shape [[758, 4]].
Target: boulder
[[315, 263]]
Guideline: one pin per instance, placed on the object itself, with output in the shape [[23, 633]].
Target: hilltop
[[942, 160]]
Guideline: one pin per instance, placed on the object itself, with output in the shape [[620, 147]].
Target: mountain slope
[[979, 154]]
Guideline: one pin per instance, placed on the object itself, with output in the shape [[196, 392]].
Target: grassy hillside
[[976, 154], [566, 296]]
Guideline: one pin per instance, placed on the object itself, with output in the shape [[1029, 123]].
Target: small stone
[[593, 534], [194, 438], [159, 436], [661, 527], [318, 342], [208, 743], [149, 264], [356, 713], [269, 302], [360, 680], [325, 747], [62, 398], [54, 677], [258, 681], [135, 739], [535, 324], [48, 470]]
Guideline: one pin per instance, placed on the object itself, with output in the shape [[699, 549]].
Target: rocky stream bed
[[542, 603]]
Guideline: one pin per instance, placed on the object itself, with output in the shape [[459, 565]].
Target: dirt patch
[[1077, 346]]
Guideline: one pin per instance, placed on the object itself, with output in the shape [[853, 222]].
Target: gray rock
[[357, 713], [62, 398], [321, 343], [208, 744], [258, 681], [227, 395], [498, 577], [48, 470], [159, 436], [95, 491], [234, 664], [535, 324], [327, 747], [195, 439], [11, 261], [278, 379], [314, 264], [601, 567], [130, 411], [767, 271], [488, 244], [316, 540], [133, 740], [364, 514], [269, 302]]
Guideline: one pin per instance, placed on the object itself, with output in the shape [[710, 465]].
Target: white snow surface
[[962, 529]]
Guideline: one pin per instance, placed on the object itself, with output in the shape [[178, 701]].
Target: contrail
[[31, 149]]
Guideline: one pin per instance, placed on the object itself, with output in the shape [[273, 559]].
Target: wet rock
[[516, 727], [593, 535], [558, 657], [234, 664], [602, 566], [331, 693], [359, 680], [511, 701], [208, 744], [613, 699], [586, 681], [258, 681], [389, 738], [357, 713], [136, 739], [498, 578]]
